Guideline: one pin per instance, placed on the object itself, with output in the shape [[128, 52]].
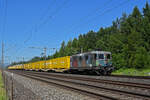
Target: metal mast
[[2, 61], [44, 50]]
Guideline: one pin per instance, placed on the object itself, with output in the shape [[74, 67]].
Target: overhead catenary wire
[[110, 9], [4, 24], [91, 13], [101, 13], [96, 10], [40, 20], [3, 32], [38, 26], [33, 27], [4, 20]]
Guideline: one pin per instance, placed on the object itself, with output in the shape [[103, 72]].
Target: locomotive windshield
[[104, 56], [101, 56], [108, 56]]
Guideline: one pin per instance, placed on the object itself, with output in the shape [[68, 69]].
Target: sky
[[46, 23]]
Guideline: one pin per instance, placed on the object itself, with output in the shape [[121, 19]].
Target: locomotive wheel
[[97, 72], [109, 73]]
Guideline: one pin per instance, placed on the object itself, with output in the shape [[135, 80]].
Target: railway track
[[129, 76], [117, 76], [94, 87]]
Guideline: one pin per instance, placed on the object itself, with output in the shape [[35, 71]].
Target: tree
[[90, 42], [146, 11], [62, 49], [75, 46], [81, 42], [141, 58], [56, 55], [69, 49]]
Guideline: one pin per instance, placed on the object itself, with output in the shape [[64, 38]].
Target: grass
[[132, 71], [2, 89]]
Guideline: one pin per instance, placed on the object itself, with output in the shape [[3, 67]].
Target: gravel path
[[17, 91], [42, 91]]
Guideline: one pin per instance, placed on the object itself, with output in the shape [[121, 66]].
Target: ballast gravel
[[42, 91]]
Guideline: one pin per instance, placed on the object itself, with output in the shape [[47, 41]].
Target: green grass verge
[[2, 89], [132, 71]]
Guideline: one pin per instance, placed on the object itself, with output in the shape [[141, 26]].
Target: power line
[[44, 52], [93, 11], [38, 26], [41, 18], [4, 20], [35, 29], [110, 9], [3, 31], [89, 14], [102, 13], [54, 13], [32, 29], [47, 10], [96, 10]]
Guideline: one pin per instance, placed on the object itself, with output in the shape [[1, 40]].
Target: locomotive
[[99, 62]]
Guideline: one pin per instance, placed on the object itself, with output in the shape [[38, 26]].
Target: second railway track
[[95, 87]]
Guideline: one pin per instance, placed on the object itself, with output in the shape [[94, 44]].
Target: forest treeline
[[128, 38]]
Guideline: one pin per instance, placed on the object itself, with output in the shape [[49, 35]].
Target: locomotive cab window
[[95, 56], [101, 56], [86, 57], [80, 58], [108, 56]]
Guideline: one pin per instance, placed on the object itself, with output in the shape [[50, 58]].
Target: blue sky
[[46, 23]]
